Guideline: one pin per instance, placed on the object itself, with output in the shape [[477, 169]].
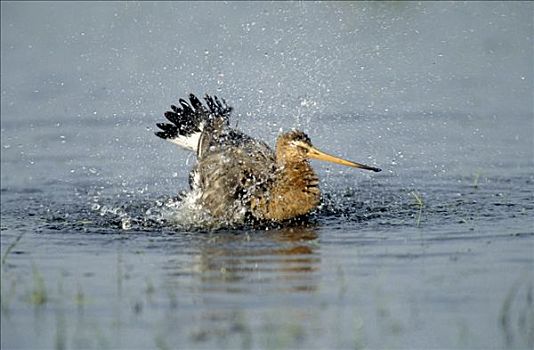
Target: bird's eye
[[300, 146]]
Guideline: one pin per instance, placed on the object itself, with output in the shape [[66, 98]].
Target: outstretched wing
[[189, 120]]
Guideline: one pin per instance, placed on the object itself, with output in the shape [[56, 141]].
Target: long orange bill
[[315, 153]]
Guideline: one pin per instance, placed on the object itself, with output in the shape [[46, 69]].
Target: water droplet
[[126, 224]]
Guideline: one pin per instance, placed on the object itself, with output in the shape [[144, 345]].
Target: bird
[[238, 178]]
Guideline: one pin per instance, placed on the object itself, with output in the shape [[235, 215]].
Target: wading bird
[[236, 177]]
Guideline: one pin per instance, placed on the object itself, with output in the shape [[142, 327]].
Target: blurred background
[[87, 81]]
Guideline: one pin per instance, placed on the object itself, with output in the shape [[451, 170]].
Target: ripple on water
[[370, 207]]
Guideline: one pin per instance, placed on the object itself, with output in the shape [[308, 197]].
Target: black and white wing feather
[[190, 119]]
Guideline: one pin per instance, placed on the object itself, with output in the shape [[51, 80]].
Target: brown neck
[[295, 192]]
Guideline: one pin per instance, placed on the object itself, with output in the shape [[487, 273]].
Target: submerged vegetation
[[38, 295], [9, 248], [420, 204]]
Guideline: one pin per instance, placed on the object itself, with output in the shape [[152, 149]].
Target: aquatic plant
[[420, 204], [38, 296]]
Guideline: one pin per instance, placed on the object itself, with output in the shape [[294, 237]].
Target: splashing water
[[179, 213], [187, 213]]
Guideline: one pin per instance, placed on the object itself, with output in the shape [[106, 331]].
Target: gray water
[[436, 251]]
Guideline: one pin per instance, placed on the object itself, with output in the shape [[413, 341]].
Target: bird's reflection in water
[[237, 279], [283, 259]]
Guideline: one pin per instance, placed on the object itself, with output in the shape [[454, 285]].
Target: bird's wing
[[230, 176], [189, 121]]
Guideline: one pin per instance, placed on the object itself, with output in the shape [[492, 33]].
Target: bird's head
[[295, 146]]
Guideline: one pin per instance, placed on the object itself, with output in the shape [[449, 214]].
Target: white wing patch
[[189, 142]]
